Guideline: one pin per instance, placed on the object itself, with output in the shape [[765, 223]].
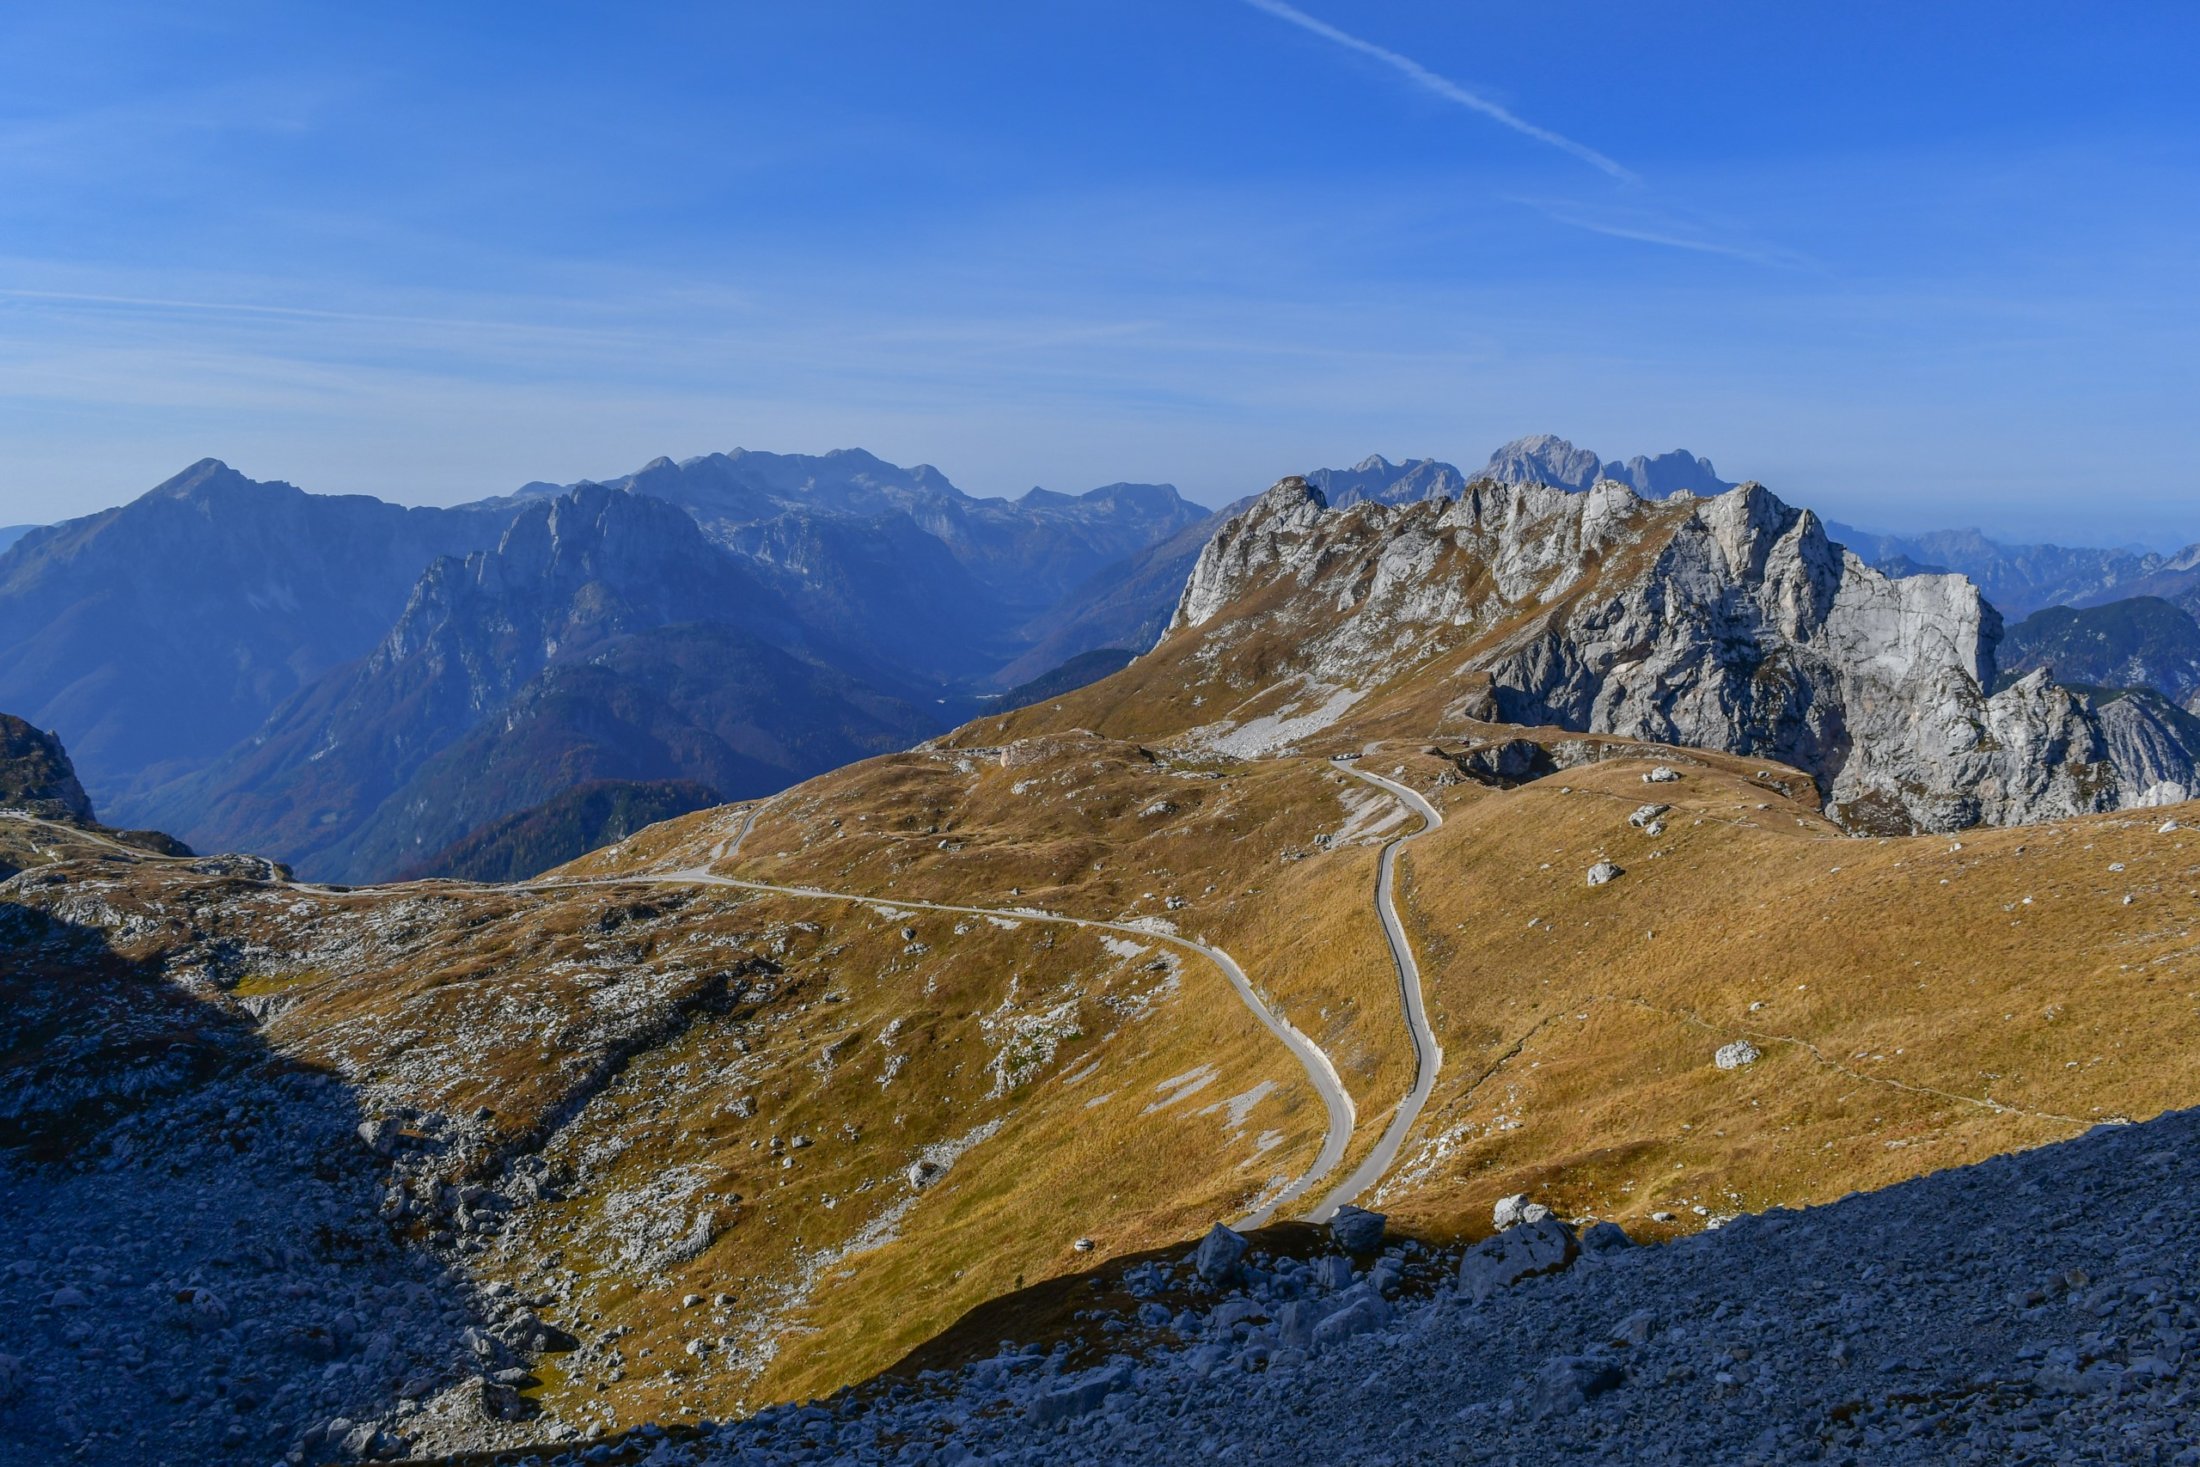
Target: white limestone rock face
[[1729, 623]]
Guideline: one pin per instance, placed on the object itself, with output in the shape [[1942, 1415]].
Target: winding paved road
[[1428, 1056], [1336, 1100]]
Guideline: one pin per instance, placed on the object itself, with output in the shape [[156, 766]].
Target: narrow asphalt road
[[1322, 1074], [1428, 1056]]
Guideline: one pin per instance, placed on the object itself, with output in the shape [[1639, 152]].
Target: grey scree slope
[[2041, 1307]]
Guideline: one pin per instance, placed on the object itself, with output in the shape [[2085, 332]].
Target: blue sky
[[1913, 265]]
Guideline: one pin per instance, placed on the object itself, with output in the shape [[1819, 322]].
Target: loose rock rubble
[[202, 1253], [2037, 1307]]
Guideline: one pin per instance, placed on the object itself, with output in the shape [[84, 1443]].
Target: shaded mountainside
[[707, 703], [159, 634], [217, 635], [1126, 604], [1084, 668], [2143, 642], [564, 827], [553, 659], [9, 534]]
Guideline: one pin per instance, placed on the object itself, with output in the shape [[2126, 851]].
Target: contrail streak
[[1444, 87]]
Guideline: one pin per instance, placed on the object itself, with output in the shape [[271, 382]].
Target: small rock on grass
[[1734, 1056], [1511, 1212]]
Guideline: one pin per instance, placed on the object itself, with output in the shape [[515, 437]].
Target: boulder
[[1660, 775], [1356, 1230], [1733, 1056], [1079, 1396], [1531, 1249], [1219, 1255], [202, 1308], [540, 1337], [1568, 1382], [1362, 1315], [1511, 1212], [1647, 815], [1505, 763], [1604, 873], [494, 1402], [1605, 1237]]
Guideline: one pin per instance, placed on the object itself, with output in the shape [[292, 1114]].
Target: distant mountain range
[[1538, 459], [356, 686], [2022, 579], [353, 685]]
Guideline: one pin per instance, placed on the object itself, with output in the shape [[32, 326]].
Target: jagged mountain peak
[[1544, 458], [211, 475]]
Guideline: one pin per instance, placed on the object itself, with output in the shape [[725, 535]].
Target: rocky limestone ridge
[[1729, 623]]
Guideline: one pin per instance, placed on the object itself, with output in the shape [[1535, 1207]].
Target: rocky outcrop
[[1730, 623], [36, 775]]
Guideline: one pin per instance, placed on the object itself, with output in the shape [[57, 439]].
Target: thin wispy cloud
[[1443, 86], [1671, 234]]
